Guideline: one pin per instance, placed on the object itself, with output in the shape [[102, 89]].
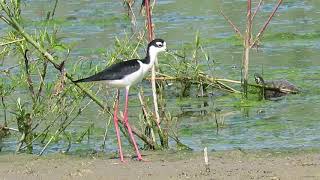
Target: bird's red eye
[[159, 44]]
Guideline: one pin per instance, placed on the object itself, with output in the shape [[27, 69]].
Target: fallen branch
[[205, 79], [202, 78]]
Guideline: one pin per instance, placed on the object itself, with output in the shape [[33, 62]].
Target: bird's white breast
[[130, 79], [145, 67]]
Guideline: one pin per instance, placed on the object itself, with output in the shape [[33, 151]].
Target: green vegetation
[[40, 105]]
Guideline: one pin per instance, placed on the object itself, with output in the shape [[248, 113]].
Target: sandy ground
[[166, 165]]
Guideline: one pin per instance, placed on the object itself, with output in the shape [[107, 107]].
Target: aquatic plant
[[248, 40]]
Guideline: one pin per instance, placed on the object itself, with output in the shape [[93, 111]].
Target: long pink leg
[[116, 125], [128, 125]]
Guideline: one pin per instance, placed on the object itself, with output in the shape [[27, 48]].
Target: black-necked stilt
[[124, 75]]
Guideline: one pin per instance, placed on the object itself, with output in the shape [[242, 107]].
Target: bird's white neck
[[153, 57], [150, 59]]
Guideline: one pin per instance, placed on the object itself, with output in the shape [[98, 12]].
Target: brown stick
[[247, 41], [153, 70], [257, 9], [266, 23], [149, 20], [236, 29]]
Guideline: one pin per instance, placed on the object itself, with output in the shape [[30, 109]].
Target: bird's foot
[[121, 158], [123, 161], [142, 160]]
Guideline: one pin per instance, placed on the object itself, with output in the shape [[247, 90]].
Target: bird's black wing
[[114, 72]]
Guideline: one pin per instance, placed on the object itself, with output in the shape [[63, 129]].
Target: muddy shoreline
[[298, 164]]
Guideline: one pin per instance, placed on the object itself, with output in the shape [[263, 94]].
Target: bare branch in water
[[257, 9], [236, 29], [260, 33]]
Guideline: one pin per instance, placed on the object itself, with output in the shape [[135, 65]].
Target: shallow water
[[289, 123]]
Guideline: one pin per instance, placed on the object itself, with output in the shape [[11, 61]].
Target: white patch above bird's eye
[[159, 44]]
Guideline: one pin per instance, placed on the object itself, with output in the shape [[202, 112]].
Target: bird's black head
[[156, 46], [159, 43]]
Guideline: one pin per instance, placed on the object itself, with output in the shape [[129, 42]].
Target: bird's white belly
[[128, 80]]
